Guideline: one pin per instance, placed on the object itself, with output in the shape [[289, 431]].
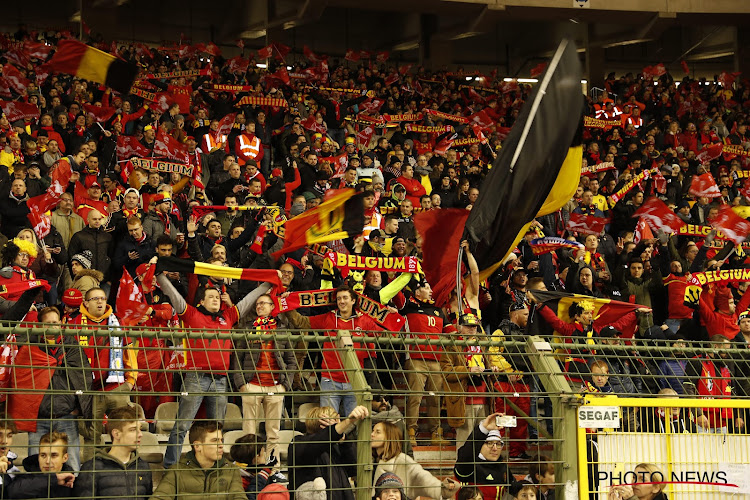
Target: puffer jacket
[[187, 480], [104, 476], [15, 215]]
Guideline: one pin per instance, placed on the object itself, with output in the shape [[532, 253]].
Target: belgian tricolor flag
[[173, 264], [77, 58], [539, 166], [340, 216]]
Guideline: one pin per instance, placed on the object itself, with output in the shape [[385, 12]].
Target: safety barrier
[[527, 381]]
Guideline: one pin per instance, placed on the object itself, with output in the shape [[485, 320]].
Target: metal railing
[[528, 370]]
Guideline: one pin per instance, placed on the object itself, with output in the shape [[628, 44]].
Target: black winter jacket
[[99, 242], [322, 455], [106, 477], [35, 484]]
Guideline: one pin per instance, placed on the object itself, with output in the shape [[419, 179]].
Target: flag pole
[[538, 99], [458, 282]]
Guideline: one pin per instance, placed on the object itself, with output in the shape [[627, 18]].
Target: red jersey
[[332, 366], [211, 352]]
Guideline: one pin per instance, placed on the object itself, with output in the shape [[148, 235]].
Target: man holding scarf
[[263, 371], [113, 359], [207, 357]]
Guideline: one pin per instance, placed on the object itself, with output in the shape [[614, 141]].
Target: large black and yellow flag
[[341, 215], [606, 312], [77, 58], [538, 168], [173, 264]]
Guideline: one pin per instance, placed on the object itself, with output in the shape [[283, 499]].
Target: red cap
[[276, 172], [92, 181], [72, 297], [190, 138]]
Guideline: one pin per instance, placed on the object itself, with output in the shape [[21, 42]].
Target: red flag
[[351, 55], [391, 79], [659, 216], [131, 306], [162, 102], [42, 72], [18, 57], [474, 95], [265, 52], [704, 185], [282, 74], [40, 223], [710, 153], [538, 69], [226, 123], [372, 105], [60, 174], [482, 119], [685, 67], [312, 56], [382, 57], [441, 232], [238, 65], [365, 54], [213, 49], [281, 50], [99, 113], [502, 132], [642, 231], [745, 189], [733, 226], [37, 50], [727, 79], [404, 68], [654, 71], [142, 50], [129, 146], [16, 110], [479, 134], [339, 164], [311, 124], [364, 135], [443, 146], [586, 224], [506, 87], [15, 80], [241, 43], [660, 183], [168, 146]]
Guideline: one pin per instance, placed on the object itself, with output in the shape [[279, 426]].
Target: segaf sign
[[600, 417]]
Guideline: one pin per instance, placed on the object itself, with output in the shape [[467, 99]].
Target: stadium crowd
[[411, 142]]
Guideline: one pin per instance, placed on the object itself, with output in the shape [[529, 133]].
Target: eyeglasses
[[494, 444], [97, 299], [23, 254]]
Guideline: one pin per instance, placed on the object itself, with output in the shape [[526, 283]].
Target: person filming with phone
[[478, 460]]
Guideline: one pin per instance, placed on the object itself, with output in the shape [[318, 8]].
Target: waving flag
[[16, 110], [131, 306], [659, 216], [733, 226], [99, 113], [78, 59], [710, 153], [538, 169], [168, 146], [704, 185], [129, 146], [587, 224]]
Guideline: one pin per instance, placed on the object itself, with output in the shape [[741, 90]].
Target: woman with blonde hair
[[51, 257], [386, 442], [641, 489], [324, 454]]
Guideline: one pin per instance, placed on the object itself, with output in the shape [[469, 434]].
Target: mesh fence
[[329, 414]]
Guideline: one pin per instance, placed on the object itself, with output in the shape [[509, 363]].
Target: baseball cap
[[469, 320], [609, 332]]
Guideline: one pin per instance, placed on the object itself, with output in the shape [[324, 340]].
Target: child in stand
[[249, 454]]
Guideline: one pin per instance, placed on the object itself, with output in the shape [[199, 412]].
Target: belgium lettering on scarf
[[465, 141], [629, 186], [145, 94], [740, 174], [403, 117], [345, 262], [377, 311], [735, 149], [599, 167], [696, 230], [446, 116], [163, 166], [368, 93], [591, 122], [262, 101], [720, 276], [178, 74], [228, 88], [11, 289], [425, 129]]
